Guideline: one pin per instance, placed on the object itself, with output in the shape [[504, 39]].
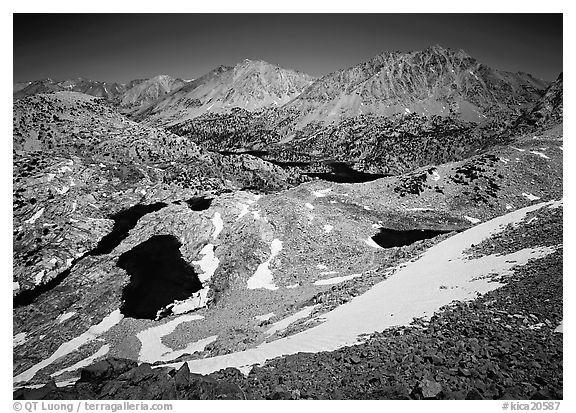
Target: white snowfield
[[472, 220], [370, 242], [34, 217], [560, 328], [153, 349], [328, 228], [70, 346], [218, 224], [264, 317], [285, 322], [18, 339], [540, 154], [63, 317], [263, 277], [413, 291], [530, 196], [322, 192], [102, 351], [208, 264]]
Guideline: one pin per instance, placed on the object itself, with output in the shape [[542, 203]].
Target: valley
[[261, 233]]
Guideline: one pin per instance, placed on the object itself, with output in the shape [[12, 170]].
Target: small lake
[[124, 221], [158, 276], [343, 173], [340, 172], [388, 238], [198, 204]]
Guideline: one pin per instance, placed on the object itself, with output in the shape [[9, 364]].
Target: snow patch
[[263, 277], [18, 339], [293, 286], [321, 267], [560, 328], [530, 196], [63, 317], [63, 190], [328, 228], [243, 211], [322, 192], [309, 205], [34, 217], [518, 149], [38, 277], [153, 349], [264, 317], [208, 263], [285, 322], [102, 351], [218, 224], [472, 220], [70, 346], [435, 176], [372, 243], [556, 204], [15, 285], [540, 154], [336, 280], [329, 272]]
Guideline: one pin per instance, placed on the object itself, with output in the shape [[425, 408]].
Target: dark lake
[[340, 172], [388, 238], [124, 221], [343, 173], [158, 276], [198, 204]]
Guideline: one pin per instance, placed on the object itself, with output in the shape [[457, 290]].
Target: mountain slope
[[435, 81], [249, 85], [147, 91], [548, 110]]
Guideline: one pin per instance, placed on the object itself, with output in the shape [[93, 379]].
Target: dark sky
[[122, 47]]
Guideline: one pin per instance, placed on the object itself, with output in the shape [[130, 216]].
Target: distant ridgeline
[[388, 115]]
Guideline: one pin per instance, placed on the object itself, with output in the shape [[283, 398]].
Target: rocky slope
[[249, 85], [77, 162], [148, 91], [548, 110], [273, 266]]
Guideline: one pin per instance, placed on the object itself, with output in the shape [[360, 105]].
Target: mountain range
[[434, 81]]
